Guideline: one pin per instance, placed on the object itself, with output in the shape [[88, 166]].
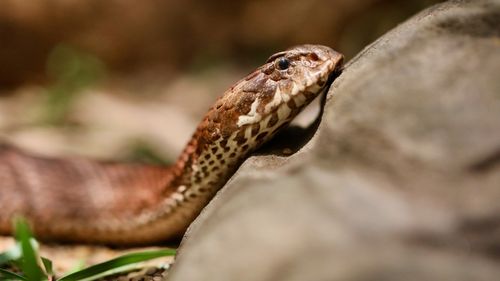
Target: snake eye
[[283, 63]]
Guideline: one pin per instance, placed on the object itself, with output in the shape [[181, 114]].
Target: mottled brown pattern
[[84, 200], [74, 191]]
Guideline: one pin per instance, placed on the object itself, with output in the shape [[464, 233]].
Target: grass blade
[[47, 264], [10, 275], [115, 263], [29, 263]]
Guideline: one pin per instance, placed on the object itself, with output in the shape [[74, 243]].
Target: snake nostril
[[313, 57]]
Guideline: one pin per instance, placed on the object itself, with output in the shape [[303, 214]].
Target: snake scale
[[77, 199]]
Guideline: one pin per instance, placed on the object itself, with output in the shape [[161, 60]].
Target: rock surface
[[400, 182]]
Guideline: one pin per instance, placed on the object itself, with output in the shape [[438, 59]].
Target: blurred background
[[129, 80]]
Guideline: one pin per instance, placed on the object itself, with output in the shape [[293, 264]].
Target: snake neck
[[212, 156]]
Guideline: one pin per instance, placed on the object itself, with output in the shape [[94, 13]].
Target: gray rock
[[400, 182]]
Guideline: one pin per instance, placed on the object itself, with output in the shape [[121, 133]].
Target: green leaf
[[29, 263], [10, 275], [47, 264], [104, 268]]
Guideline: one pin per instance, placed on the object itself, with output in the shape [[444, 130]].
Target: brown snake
[[75, 199]]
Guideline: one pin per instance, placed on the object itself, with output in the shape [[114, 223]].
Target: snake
[[75, 199]]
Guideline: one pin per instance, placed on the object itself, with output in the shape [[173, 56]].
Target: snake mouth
[[337, 71]]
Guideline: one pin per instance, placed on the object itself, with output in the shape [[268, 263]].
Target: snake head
[[287, 82], [306, 65], [273, 94]]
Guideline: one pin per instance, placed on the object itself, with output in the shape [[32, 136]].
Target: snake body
[[75, 199]]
